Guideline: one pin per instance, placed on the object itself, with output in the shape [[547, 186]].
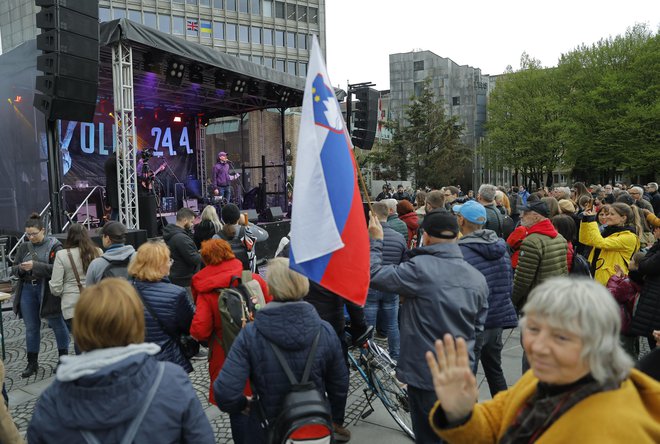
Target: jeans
[[69, 325], [239, 424], [421, 403], [30, 306], [488, 349], [225, 192], [387, 306]]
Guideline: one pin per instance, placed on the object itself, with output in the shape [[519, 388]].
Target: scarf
[[547, 405]]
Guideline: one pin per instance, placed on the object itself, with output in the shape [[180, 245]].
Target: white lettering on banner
[[102, 150], [167, 141], [87, 130], [183, 141], [155, 131]]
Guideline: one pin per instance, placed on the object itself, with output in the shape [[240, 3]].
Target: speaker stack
[[69, 40]]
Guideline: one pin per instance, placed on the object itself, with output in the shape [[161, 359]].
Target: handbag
[[75, 270], [188, 345]]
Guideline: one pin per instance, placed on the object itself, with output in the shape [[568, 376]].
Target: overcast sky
[[360, 34]]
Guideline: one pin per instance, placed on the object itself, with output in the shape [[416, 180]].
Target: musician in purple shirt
[[222, 177]]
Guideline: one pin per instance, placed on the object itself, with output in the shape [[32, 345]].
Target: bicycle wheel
[[392, 393]]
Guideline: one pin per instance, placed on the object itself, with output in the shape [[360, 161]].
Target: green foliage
[[428, 148], [595, 113]]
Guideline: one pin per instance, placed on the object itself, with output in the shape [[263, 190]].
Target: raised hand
[[453, 381]]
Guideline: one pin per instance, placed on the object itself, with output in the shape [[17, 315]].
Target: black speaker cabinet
[[252, 215], [133, 237], [276, 231], [147, 206], [272, 214]]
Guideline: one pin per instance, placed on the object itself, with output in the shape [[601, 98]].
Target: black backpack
[[116, 268], [239, 248], [580, 266], [305, 412]]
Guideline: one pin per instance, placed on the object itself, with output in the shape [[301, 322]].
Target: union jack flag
[[192, 25]]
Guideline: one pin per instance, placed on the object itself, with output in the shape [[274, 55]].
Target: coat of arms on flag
[[192, 25]]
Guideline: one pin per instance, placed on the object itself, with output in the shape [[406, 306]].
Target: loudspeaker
[[272, 214], [147, 206], [276, 231], [69, 40], [133, 237], [252, 215], [169, 219]]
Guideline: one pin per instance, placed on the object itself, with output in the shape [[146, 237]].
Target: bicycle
[[377, 369]]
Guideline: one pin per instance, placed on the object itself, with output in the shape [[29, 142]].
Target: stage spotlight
[[238, 87], [174, 72], [221, 79], [195, 74], [153, 62], [177, 119]]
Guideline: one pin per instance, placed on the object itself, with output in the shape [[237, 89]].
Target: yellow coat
[[653, 220], [629, 414], [616, 249]]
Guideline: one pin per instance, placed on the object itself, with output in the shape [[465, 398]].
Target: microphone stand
[[184, 197]]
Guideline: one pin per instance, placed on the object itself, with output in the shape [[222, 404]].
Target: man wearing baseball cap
[[222, 177], [543, 254], [441, 294], [488, 253]]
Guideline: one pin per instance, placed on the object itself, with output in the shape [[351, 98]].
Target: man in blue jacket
[[488, 253], [441, 294]]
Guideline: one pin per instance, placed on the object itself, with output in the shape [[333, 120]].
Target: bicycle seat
[[364, 337]]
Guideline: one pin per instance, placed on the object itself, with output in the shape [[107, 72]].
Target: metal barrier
[[85, 203]]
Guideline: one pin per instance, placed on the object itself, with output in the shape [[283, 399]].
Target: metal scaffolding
[[201, 154], [122, 76]]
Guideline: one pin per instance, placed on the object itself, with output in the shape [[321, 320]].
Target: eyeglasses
[[31, 235]]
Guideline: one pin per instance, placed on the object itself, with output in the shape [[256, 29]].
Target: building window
[[244, 33], [231, 5], [268, 36], [313, 15], [418, 65], [192, 28], [206, 3], [268, 62], [256, 35], [218, 31], [279, 65], [279, 10], [279, 38], [419, 87], [268, 8], [291, 67], [456, 100], [290, 39], [231, 32], [217, 4], [179, 1], [290, 11], [302, 13], [256, 10], [164, 23], [105, 15], [243, 6], [191, 2], [119, 13], [245, 57], [205, 29], [302, 69], [177, 25], [150, 19], [135, 16], [257, 59], [302, 41]]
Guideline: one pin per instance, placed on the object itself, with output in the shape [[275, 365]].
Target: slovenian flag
[[329, 238]]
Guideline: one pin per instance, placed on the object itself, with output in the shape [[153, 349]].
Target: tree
[[428, 147]]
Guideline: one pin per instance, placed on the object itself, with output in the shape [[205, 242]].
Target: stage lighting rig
[[195, 74], [174, 72], [238, 87]]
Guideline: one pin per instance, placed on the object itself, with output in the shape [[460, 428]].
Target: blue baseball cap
[[472, 211]]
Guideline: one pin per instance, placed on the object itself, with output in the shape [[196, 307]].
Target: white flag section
[[314, 232]]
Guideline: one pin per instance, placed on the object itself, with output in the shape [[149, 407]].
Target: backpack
[[305, 412], [116, 268], [237, 305], [580, 266], [505, 225], [243, 248]]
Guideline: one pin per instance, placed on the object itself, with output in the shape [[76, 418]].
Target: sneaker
[[203, 353], [341, 434]]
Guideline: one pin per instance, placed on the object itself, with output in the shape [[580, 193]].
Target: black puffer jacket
[[171, 305], [647, 315], [292, 326], [204, 230], [187, 260]]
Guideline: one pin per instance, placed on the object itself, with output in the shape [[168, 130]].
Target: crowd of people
[[577, 268]]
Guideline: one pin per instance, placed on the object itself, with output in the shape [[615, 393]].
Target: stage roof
[[212, 93]]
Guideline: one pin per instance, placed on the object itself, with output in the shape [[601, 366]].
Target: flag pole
[[364, 186]]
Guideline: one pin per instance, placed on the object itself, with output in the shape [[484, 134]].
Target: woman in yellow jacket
[[651, 218], [615, 245]]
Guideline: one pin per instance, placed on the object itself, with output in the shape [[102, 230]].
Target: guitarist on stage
[[222, 177]]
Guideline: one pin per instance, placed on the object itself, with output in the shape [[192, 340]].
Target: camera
[[146, 154]]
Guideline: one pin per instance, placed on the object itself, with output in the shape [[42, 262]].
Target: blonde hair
[[149, 261], [285, 284], [108, 314], [209, 213]]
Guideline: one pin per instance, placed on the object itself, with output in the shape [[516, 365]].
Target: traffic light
[[365, 118], [69, 40]]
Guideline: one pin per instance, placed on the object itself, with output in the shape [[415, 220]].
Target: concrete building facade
[[462, 89]]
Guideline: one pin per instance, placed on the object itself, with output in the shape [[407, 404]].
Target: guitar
[[147, 179]]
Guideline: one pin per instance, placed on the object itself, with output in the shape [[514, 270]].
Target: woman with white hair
[[581, 387], [209, 226]]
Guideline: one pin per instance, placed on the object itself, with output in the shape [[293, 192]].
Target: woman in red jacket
[[407, 214], [221, 266]]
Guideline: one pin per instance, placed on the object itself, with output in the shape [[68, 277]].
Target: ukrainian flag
[[206, 27]]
